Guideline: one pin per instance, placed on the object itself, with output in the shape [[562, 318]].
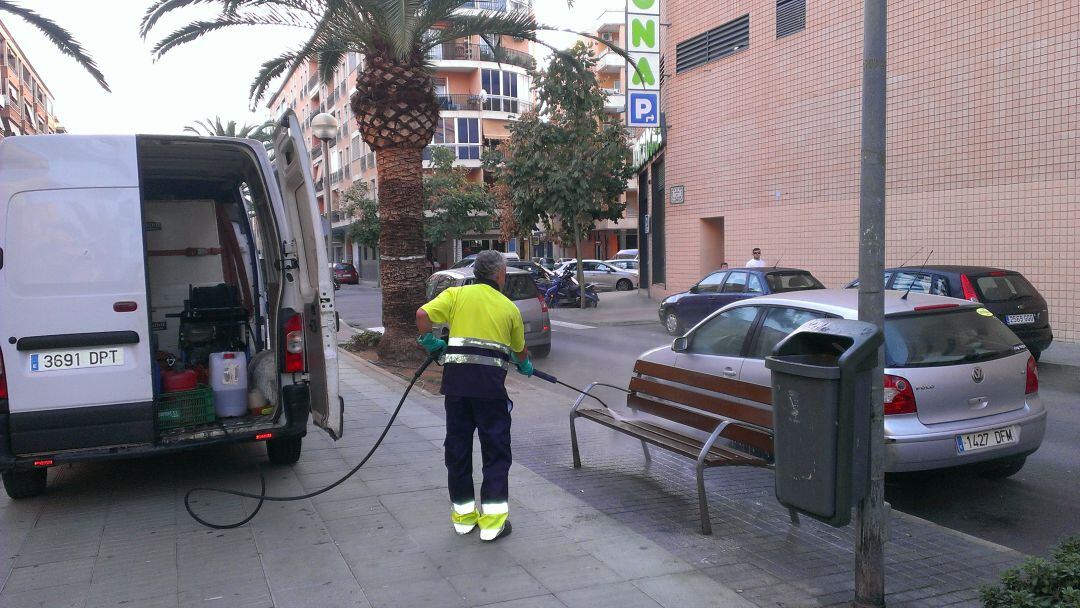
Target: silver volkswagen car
[[521, 289], [960, 387]]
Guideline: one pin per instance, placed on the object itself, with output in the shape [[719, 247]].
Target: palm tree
[[215, 128], [394, 104], [59, 36]]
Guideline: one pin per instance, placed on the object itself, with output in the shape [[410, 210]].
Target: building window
[[717, 43], [790, 17], [502, 90], [468, 131]]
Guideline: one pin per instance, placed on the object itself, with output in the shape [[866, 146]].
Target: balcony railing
[[507, 104], [318, 183], [458, 102], [313, 83], [461, 151], [496, 5], [335, 176], [478, 52], [316, 152]]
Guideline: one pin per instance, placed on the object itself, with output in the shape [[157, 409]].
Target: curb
[[957, 533], [385, 374]]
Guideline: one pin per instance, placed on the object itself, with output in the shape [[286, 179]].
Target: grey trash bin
[[821, 416]]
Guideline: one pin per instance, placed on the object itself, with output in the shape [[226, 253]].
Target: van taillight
[[899, 396], [1032, 384], [294, 344], [3, 378], [969, 291]]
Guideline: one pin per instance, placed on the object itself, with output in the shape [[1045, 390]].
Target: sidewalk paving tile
[[690, 589], [610, 595], [496, 585]]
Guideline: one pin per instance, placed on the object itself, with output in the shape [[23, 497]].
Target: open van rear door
[[293, 167]]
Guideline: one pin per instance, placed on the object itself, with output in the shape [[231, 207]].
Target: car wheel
[[25, 483], [284, 450], [540, 350], [1002, 469], [672, 323], [624, 285]]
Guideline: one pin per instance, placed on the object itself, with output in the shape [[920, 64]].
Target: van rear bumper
[[294, 424]]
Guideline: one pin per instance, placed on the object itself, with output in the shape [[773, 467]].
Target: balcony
[[335, 177], [458, 102], [313, 84], [615, 101], [611, 62], [467, 155], [496, 5], [463, 51], [316, 152], [511, 105]]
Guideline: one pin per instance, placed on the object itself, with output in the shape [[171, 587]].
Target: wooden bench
[[730, 409]]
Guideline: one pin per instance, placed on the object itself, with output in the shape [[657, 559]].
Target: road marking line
[[570, 325]]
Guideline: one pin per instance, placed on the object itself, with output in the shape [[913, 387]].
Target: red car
[[345, 273]]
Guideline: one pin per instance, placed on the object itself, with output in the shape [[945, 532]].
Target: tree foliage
[[453, 206], [565, 164]]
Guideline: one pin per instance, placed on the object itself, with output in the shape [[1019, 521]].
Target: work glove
[[525, 368], [434, 346]]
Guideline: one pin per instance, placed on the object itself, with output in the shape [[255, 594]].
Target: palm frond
[[198, 29], [60, 37], [517, 24], [328, 61], [272, 69], [401, 18]]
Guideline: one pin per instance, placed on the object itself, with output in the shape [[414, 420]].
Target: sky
[[202, 79]]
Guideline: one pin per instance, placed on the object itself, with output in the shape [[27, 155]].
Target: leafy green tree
[[394, 103], [453, 206], [60, 37], [565, 164]]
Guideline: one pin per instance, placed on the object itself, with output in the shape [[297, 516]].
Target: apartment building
[[26, 104], [762, 105], [479, 97]]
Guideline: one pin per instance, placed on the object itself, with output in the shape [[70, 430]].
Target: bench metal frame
[[702, 458]]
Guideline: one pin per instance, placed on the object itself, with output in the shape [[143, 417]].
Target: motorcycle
[[564, 291]]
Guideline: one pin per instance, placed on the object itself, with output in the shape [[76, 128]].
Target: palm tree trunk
[[401, 249]]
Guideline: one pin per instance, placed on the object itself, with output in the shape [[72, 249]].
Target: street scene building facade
[[479, 96], [26, 104], [761, 146]]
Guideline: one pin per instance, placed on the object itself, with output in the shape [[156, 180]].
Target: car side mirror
[[680, 344]]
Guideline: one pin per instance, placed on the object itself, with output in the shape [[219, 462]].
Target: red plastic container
[[172, 382]]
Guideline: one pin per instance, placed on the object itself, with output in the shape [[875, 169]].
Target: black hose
[[262, 497]]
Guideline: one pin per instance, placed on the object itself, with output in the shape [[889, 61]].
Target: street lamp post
[[325, 128]]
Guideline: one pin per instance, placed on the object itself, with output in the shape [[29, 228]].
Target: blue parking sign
[[643, 109]]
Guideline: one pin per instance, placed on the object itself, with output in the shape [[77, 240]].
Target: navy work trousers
[[491, 419]]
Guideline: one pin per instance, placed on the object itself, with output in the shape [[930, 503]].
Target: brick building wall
[[982, 142]]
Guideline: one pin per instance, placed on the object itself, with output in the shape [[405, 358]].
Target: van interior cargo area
[[208, 297]]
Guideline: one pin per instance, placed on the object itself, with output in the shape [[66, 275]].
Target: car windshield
[[520, 287], [962, 335], [1004, 287], [463, 263], [780, 282]]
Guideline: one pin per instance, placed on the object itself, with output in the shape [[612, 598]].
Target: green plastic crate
[[185, 408]]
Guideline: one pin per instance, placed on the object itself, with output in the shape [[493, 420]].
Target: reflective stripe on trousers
[[464, 516], [492, 519]]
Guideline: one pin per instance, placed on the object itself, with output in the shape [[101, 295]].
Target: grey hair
[[487, 264]]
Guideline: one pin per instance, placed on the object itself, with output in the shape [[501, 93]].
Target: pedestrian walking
[[487, 336], [755, 261]]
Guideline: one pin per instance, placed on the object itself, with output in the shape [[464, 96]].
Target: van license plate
[[973, 442], [76, 359], [1019, 319]]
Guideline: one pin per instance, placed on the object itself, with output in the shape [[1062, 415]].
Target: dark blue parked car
[[682, 311]]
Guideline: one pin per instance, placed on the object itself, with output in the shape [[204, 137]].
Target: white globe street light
[[325, 128]]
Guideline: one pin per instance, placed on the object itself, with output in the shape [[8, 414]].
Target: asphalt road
[[1029, 512]]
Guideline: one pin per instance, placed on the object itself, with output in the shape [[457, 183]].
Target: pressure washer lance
[[262, 497]]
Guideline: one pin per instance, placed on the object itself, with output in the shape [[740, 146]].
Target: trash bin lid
[[821, 366]]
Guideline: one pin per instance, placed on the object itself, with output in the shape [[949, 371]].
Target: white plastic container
[[228, 379]]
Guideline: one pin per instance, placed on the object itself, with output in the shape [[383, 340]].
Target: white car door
[[777, 323], [716, 346], [292, 165]]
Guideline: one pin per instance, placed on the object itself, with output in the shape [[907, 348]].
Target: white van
[[123, 257]]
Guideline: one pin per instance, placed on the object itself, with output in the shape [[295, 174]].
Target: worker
[[486, 337]]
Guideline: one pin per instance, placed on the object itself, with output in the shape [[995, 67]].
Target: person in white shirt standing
[[756, 261]]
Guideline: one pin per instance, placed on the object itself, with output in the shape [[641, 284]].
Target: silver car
[[521, 289], [960, 387], [604, 275], [628, 265]]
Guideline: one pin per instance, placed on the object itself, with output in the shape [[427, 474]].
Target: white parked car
[[119, 248], [960, 387], [604, 275], [627, 265]]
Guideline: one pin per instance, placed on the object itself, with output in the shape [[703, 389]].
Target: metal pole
[[870, 515], [326, 200]]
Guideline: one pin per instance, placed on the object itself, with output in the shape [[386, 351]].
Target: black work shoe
[[506, 529]]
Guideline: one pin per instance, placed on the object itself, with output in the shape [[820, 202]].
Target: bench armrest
[[588, 393]]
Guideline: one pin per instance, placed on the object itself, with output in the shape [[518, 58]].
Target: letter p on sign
[[644, 109]]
